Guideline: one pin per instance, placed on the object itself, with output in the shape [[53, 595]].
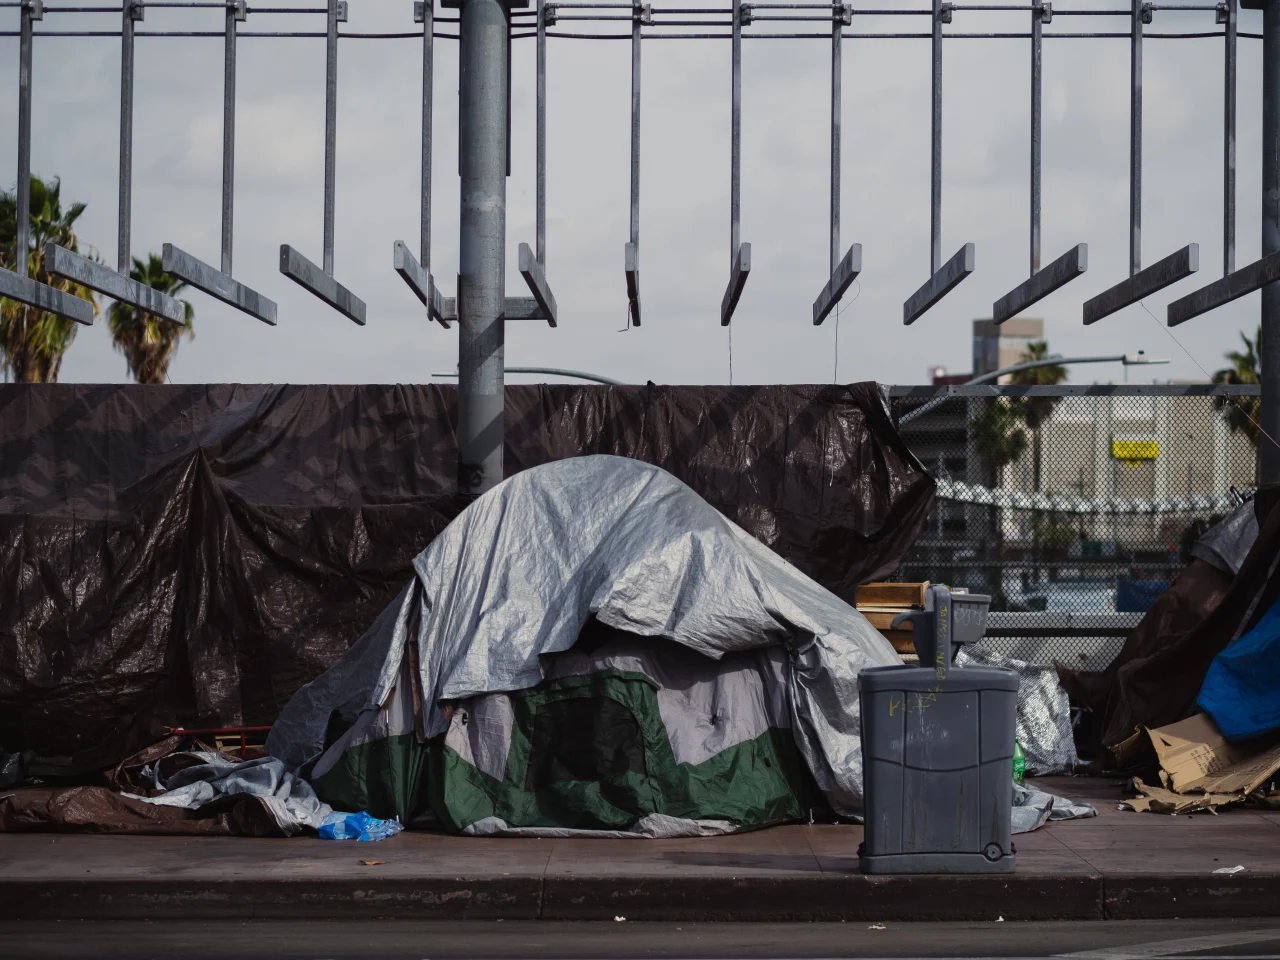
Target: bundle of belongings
[[1194, 695]]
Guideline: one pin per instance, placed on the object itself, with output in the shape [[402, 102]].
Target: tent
[[592, 646]]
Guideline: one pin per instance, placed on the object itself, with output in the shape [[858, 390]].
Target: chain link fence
[[1073, 507]]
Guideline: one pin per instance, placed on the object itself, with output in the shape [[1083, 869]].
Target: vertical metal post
[[1135, 138], [131, 13], [541, 242], [1269, 349], [735, 152], [935, 161], [428, 87], [636, 22], [837, 34], [330, 130], [1036, 121], [235, 13], [484, 38], [1229, 141], [23, 239]]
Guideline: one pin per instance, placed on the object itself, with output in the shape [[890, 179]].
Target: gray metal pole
[[484, 36], [1269, 352], [1229, 142], [1135, 139], [1036, 122], [636, 16], [837, 32], [541, 242], [428, 87], [126, 135], [234, 13], [935, 161], [24, 145], [330, 130], [735, 152]]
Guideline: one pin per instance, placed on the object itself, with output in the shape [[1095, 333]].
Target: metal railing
[[1072, 506]]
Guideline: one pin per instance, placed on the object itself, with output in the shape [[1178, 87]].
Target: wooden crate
[[881, 602]]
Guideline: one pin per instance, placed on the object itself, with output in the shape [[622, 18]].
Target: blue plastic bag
[[357, 826]]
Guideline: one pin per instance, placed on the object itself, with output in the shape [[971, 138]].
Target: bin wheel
[[992, 852]]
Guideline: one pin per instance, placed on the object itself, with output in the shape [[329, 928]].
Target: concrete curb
[[843, 897]]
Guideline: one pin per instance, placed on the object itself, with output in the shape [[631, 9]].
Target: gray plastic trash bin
[[937, 756]]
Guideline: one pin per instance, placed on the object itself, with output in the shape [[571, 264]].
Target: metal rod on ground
[[330, 129], [554, 372], [132, 11], [935, 164], [428, 79], [1036, 51], [837, 33], [1135, 138], [484, 36], [541, 242], [23, 186], [235, 13], [1269, 349], [1229, 139]]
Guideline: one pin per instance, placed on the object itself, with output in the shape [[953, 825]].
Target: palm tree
[[33, 342], [1037, 410], [147, 341], [1242, 412]]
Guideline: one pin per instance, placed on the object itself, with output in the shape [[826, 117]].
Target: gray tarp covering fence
[[521, 571], [192, 555]]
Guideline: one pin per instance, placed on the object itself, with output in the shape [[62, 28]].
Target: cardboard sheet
[[1194, 755]]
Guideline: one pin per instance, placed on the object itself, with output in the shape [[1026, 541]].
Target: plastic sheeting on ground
[[289, 799], [1033, 808], [189, 556], [522, 570], [1044, 714]]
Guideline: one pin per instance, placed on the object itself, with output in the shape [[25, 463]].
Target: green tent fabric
[[622, 732]]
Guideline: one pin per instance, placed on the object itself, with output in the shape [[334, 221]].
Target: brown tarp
[[191, 555], [1157, 675]]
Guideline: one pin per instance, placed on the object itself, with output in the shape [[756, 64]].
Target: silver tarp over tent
[[518, 574]]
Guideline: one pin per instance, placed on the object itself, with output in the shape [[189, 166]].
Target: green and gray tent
[[590, 646]]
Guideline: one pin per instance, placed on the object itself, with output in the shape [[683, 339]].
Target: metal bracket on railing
[[744, 14], [1221, 14], [36, 9], [240, 10], [642, 13], [1147, 11], [419, 11], [843, 12], [342, 11], [946, 12], [137, 11], [1045, 10], [549, 14]]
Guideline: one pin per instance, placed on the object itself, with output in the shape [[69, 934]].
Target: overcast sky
[[684, 191]]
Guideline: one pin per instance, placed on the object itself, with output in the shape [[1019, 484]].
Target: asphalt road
[[498, 940]]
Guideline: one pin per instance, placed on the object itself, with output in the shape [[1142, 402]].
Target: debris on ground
[[1238, 868]]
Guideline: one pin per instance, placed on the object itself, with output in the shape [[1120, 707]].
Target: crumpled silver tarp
[[290, 799], [1044, 714], [1033, 808], [519, 572]]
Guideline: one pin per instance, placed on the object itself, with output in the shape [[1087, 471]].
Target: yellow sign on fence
[[1133, 452]]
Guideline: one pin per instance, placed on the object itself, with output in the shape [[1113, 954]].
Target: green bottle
[[1019, 762]]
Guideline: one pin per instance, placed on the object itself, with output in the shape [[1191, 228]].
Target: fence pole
[[428, 99], [1135, 138], [484, 37], [235, 11], [1036, 52], [330, 130], [935, 156], [24, 145], [1229, 141], [1269, 349], [837, 35], [131, 13]]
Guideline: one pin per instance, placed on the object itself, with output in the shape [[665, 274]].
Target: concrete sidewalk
[[1120, 865]]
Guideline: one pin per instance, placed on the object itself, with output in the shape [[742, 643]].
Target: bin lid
[[912, 679]]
